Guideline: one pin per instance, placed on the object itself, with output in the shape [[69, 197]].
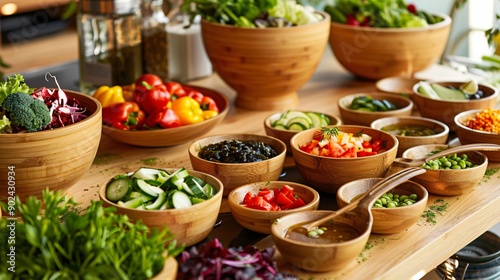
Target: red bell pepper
[[151, 98], [176, 90], [165, 118], [273, 200], [150, 79], [207, 103], [125, 116], [196, 95]]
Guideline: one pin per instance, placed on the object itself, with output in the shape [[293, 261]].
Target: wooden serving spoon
[[365, 202], [408, 162]]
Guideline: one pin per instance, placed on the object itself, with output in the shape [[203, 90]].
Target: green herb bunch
[[54, 241]]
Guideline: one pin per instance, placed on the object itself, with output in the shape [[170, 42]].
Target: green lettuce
[[13, 84]]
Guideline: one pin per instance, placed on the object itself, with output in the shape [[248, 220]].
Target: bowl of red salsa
[[332, 156]]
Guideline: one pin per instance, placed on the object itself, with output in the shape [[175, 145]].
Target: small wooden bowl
[[286, 135], [260, 220], [448, 182], [54, 159], [467, 135], [357, 117], [376, 53], [446, 110], [327, 174], [169, 270], [233, 175], [387, 220], [398, 85], [266, 66], [189, 225], [406, 142], [320, 257], [172, 136]]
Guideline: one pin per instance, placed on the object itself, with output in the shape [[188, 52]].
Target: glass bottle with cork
[[154, 38], [109, 43]]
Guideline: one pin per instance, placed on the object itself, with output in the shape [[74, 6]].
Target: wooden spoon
[[408, 162], [366, 201]]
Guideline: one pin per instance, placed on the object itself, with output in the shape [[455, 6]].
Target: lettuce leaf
[[14, 83]]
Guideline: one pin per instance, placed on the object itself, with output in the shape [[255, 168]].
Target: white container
[[187, 57]]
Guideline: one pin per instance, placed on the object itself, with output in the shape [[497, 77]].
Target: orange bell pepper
[[188, 110]]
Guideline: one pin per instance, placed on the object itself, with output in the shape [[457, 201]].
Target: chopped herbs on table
[[55, 241], [438, 207]]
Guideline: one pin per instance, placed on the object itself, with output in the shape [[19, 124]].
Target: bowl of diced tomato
[[331, 156], [256, 206]]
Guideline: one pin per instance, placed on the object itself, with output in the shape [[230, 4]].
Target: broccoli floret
[[26, 111]]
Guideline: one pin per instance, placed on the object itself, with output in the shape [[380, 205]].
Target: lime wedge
[[471, 87]]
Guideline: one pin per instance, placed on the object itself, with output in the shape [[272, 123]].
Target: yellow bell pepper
[[207, 114], [188, 110], [109, 95]]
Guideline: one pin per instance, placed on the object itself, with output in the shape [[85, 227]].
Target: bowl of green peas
[[449, 175], [395, 211]]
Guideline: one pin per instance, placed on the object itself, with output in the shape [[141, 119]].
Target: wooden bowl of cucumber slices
[[286, 124], [187, 202]]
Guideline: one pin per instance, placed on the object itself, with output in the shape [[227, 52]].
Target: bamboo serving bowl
[[266, 66], [54, 159], [233, 175], [327, 174], [172, 136], [189, 225], [446, 110], [405, 142], [358, 117], [376, 53], [286, 135], [321, 257], [387, 220], [261, 220], [398, 85], [448, 182], [468, 135]]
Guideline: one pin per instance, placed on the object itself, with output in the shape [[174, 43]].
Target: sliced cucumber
[[306, 123], [118, 189], [280, 126], [209, 190], [132, 195], [134, 203], [296, 127], [179, 200], [175, 179], [195, 187], [196, 200], [325, 121], [146, 173], [146, 188], [316, 119], [160, 200]]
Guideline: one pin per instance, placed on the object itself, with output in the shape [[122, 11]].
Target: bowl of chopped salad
[[479, 126], [377, 39], [49, 137], [267, 54], [331, 156]]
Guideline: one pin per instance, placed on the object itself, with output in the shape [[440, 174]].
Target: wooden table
[[407, 255]]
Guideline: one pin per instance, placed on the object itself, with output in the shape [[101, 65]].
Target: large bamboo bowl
[[286, 135], [261, 220], [321, 257], [358, 117], [387, 220], [468, 135], [266, 66], [172, 136], [451, 182], [54, 159], [405, 142], [327, 174], [189, 225], [446, 110], [376, 53], [233, 175]]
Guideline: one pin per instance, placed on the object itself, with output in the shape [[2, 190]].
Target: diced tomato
[[377, 145], [364, 153], [258, 202], [295, 204], [349, 153], [267, 195], [248, 197], [286, 189], [309, 146], [283, 200]]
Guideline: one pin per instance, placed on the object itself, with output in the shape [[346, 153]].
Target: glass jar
[[154, 38], [109, 33]]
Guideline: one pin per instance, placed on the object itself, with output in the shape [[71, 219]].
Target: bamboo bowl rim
[[471, 113], [388, 30]]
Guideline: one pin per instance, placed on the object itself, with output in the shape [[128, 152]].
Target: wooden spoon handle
[[406, 162]]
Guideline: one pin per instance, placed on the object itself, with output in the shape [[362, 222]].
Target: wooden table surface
[[407, 255]]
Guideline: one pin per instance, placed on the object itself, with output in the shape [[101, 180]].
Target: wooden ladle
[[408, 162], [365, 202]]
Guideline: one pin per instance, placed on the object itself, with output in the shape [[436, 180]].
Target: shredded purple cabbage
[[210, 260]]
